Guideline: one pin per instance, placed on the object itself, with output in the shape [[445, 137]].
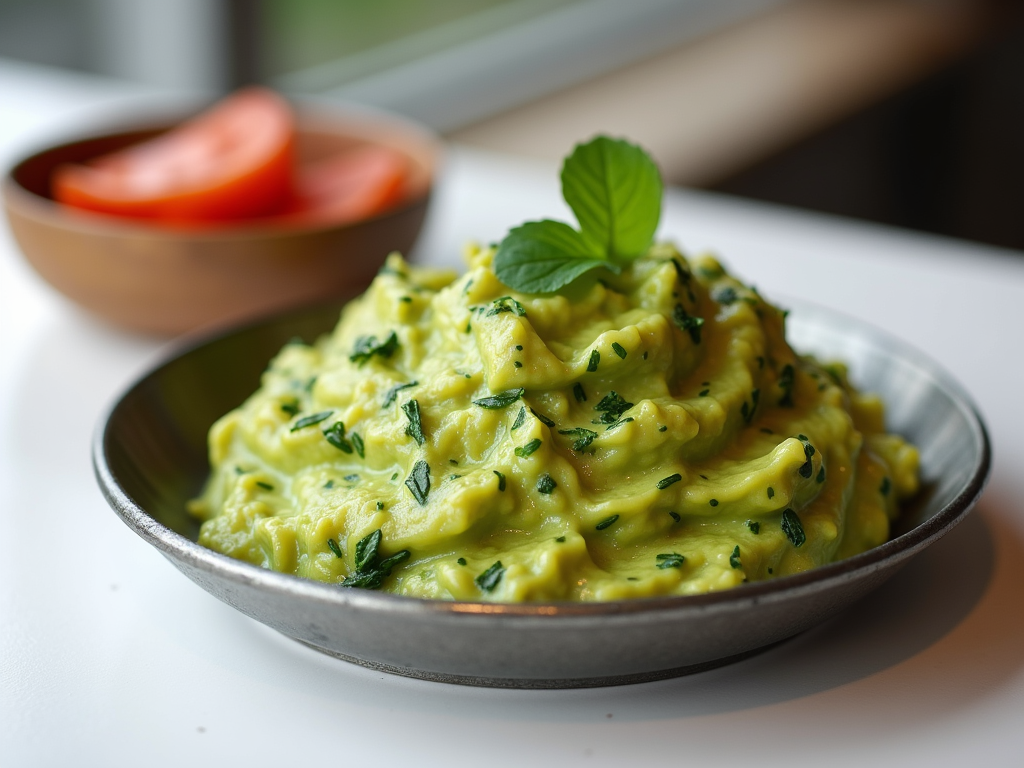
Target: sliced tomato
[[233, 161], [355, 184]]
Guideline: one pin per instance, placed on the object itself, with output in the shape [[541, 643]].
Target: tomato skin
[[234, 161], [355, 184]]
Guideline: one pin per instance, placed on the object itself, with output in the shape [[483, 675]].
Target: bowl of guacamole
[[589, 459]]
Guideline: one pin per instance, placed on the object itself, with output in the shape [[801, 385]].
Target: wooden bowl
[[162, 280]]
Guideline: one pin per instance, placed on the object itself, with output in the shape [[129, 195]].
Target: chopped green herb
[[578, 393], [360, 447], [754, 526], [619, 350], [380, 505], [645, 355], [368, 346], [611, 407], [366, 550], [705, 393], [525, 450], [461, 561], [584, 437], [291, 407], [663, 428], [418, 481], [335, 548], [618, 423], [665, 482], [501, 480], [335, 435], [501, 400], [454, 477], [375, 572], [786, 380], [885, 487], [734, 558], [747, 411], [415, 427], [309, 421], [672, 560], [595, 360], [546, 484], [687, 322], [329, 484], [792, 527], [519, 347], [713, 502], [353, 478], [264, 486], [543, 419], [821, 474], [675, 516], [489, 579], [771, 492], [560, 539], [606, 522], [520, 418], [392, 394], [517, 364], [506, 304], [726, 296], [394, 477]]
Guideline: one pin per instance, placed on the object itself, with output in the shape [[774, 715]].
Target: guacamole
[[642, 433]]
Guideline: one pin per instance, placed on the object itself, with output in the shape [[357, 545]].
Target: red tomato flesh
[[355, 184], [233, 161]]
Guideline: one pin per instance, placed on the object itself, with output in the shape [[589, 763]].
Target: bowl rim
[[897, 549], [311, 115]]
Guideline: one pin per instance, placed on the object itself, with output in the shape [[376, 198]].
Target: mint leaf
[[543, 256], [614, 188]]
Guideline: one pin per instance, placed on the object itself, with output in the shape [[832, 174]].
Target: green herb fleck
[[546, 484], [335, 435], [360, 447], [543, 419], [517, 364], [368, 346], [595, 360], [663, 428], [501, 480], [461, 561], [392, 394], [520, 418], [665, 482], [606, 522], [335, 548], [713, 502], [786, 379], [885, 487], [578, 393], [370, 570], [264, 486], [687, 322], [380, 505], [519, 347], [291, 407], [525, 450], [353, 478], [726, 296], [611, 407], [506, 304], [771, 492], [309, 421], [584, 437], [329, 484], [821, 474], [706, 392], [415, 427], [792, 527], [418, 481], [747, 411], [619, 350], [734, 558], [501, 400], [489, 579], [754, 526], [675, 516], [672, 560]]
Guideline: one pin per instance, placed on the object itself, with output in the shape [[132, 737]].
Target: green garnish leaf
[[368, 346], [754, 526], [525, 450], [786, 378], [595, 360], [578, 393], [793, 528], [489, 579], [542, 418], [520, 418], [415, 426], [734, 558], [360, 447], [687, 322], [334, 548], [614, 188], [501, 480], [543, 256], [418, 481], [606, 522], [374, 576], [264, 486], [366, 550], [392, 394], [335, 435], [546, 484], [506, 304], [675, 516], [611, 407], [619, 350], [291, 407], [584, 437], [665, 482], [670, 560], [502, 400], [309, 421]]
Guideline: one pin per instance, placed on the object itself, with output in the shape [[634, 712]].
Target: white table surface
[[110, 657]]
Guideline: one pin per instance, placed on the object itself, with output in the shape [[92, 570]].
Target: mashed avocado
[[645, 433]]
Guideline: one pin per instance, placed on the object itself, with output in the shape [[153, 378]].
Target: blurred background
[[906, 112]]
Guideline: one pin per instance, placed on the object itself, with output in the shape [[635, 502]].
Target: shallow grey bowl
[[150, 457]]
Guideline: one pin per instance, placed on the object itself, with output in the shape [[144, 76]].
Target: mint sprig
[[614, 188]]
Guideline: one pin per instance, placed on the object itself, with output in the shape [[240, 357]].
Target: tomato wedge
[[355, 184], [233, 161]]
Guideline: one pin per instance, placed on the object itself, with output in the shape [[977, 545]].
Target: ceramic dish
[[150, 457]]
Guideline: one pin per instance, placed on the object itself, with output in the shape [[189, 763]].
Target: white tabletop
[[109, 656]]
